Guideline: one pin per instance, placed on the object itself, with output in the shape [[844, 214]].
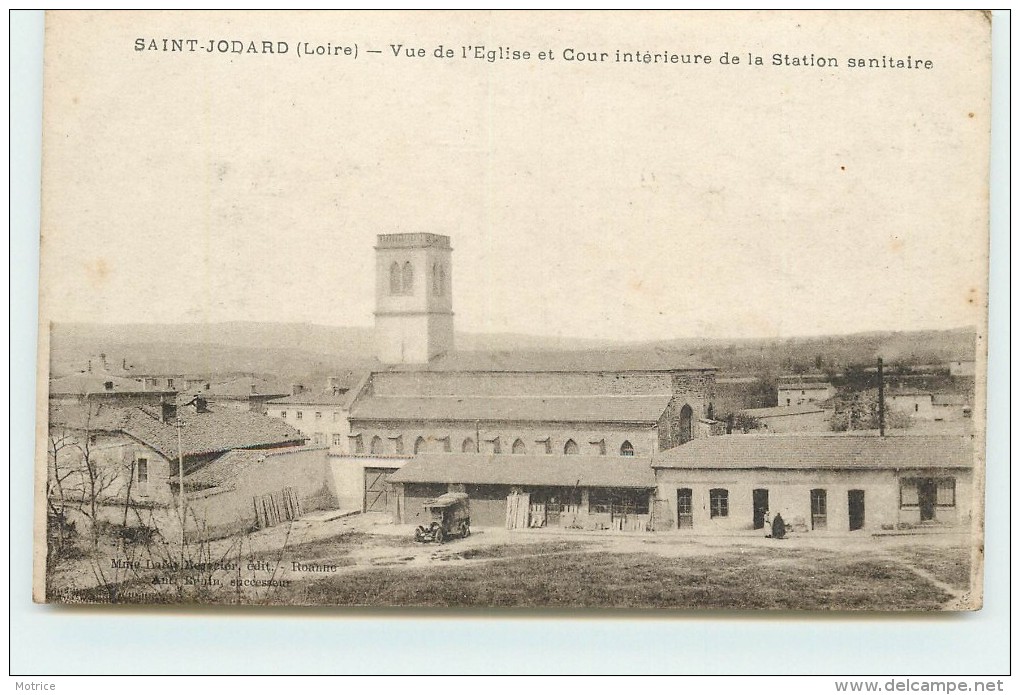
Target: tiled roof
[[508, 469], [203, 433], [241, 387], [560, 361], [347, 387], [209, 432], [622, 409], [225, 470], [820, 451], [780, 411], [805, 386], [94, 382]]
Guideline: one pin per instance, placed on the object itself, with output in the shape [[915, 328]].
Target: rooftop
[[644, 410], [820, 451], [226, 469], [202, 433], [783, 410], [342, 393], [611, 361], [413, 240], [804, 386], [96, 382], [508, 469]]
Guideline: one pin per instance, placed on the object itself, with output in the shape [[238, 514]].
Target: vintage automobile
[[451, 517]]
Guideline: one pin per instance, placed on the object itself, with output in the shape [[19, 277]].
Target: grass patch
[[950, 565], [812, 581], [514, 550]]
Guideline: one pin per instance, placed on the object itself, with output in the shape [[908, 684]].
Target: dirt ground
[[336, 555]]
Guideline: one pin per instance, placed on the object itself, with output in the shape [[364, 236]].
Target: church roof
[[560, 361], [616, 409], [509, 469]]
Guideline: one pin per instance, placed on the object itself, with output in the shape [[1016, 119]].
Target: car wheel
[[440, 536]]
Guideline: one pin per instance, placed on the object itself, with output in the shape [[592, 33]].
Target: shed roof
[[616, 409], [228, 467], [805, 386], [783, 410], [820, 451], [547, 470]]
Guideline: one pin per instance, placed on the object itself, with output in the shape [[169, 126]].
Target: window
[[819, 509], [169, 383], [447, 445], [626, 449], [617, 502], [518, 447], [398, 444], [338, 439], [468, 446], [142, 476], [435, 279], [442, 280], [283, 414], [419, 445], [916, 407], [407, 278], [908, 493], [787, 401], [336, 415], [318, 415], [945, 492], [300, 414], [598, 447], [545, 444], [376, 446], [318, 438], [494, 447], [395, 281], [570, 447], [357, 443], [718, 502]]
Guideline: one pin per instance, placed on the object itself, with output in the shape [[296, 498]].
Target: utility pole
[[881, 400], [179, 424]]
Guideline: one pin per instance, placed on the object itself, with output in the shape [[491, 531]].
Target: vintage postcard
[[664, 310]]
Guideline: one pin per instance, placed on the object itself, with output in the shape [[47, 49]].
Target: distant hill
[[299, 351]]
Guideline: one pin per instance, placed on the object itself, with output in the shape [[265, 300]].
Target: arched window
[[518, 447], [376, 447], [626, 449], [686, 422], [419, 445], [442, 280], [468, 447], [435, 279], [408, 278], [570, 447], [395, 282]]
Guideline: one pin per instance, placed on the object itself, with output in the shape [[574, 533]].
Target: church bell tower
[[413, 297]]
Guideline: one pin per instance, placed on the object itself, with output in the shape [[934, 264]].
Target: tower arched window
[[442, 280], [518, 447], [435, 280], [407, 279], [570, 447], [395, 279], [626, 449], [419, 445], [376, 446], [468, 447]]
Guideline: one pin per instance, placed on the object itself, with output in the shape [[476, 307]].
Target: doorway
[[819, 511], [760, 502], [927, 495], [684, 508], [855, 504]]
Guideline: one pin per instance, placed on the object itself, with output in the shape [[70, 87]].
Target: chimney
[[881, 400], [254, 389], [168, 412], [201, 405], [296, 389]]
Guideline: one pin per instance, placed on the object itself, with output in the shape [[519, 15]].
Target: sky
[[599, 200]]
